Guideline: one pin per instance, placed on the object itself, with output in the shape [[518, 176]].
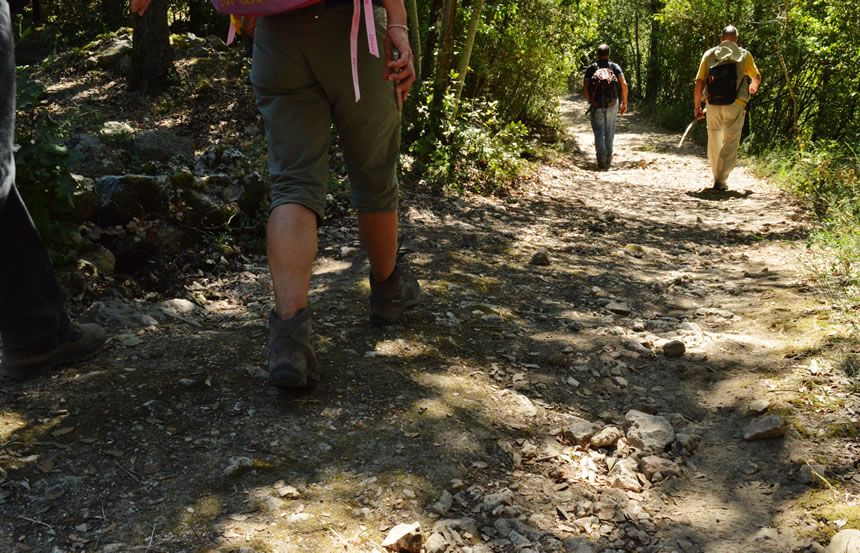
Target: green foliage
[[827, 178], [42, 176], [477, 150]]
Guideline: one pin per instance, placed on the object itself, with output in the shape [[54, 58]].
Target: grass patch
[[827, 506], [826, 178]]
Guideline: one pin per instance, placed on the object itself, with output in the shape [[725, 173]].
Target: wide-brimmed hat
[[726, 51]]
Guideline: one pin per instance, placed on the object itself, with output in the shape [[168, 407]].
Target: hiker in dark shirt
[[601, 85], [35, 332]]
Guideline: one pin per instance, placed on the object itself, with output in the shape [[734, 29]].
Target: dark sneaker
[[721, 186], [601, 164], [389, 299], [83, 342], [292, 363]]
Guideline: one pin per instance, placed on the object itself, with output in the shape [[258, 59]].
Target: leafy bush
[[476, 151], [42, 175], [826, 177]]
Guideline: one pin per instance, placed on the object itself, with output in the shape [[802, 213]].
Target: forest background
[[491, 73]]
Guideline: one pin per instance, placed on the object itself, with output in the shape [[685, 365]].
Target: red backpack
[[603, 87]]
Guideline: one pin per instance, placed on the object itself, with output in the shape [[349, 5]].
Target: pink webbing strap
[[231, 34], [370, 23]]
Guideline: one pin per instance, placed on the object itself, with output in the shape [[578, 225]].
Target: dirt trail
[[172, 442]]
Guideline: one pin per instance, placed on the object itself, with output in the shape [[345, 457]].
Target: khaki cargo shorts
[[302, 79]]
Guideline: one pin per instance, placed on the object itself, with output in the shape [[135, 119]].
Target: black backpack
[[603, 87], [723, 84]]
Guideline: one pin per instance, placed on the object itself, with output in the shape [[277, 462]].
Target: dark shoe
[[389, 299], [83, 342], [291, 355], [601, 164], [720, 186], [608, 162]]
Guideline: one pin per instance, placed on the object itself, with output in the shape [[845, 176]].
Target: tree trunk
[[466, 54], [199, 12], [638, 51], [444, 62], [415, 36], [37, 11], [430, 44], [652, 87], [114, 13], [151, 57]]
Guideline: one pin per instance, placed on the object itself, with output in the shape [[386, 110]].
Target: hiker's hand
[[140, 6], [753, 87], [401, 71], [698, 112], [622, 109]]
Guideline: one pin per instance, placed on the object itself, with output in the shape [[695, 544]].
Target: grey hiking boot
[[83, 342], [389, 299], [291, 355]]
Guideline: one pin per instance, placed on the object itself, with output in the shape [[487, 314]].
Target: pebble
[[759, 406], [436, 543], [763, 428], [606, 437], [444, 504], [577, 430], [540, 258], [807, 474], [675, 348], [650, 433], [619, 308], [652, 465], [404, 538], [624, 477]]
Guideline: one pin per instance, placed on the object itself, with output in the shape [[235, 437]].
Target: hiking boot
[[83, 342], [389, 299], [292, 363], [608, 162], [601, 164], [720, 186]]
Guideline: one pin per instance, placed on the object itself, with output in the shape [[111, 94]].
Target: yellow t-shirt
[[729, 50]]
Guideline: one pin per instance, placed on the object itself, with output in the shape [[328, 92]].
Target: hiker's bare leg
[[379, 235], [291, 245]]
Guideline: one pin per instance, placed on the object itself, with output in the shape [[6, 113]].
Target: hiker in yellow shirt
[[730, 76]]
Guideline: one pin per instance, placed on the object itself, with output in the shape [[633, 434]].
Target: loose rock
[[846, 541], [540, 258], [577, 430], [619, 308], [623, 476], [653, 464], [763, 428], [436, 543], [759, 406], [675, 348], [607, 437], [404, 538], [649, 433], [810, 474]]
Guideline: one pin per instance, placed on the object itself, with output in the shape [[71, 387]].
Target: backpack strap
[[372, 44]]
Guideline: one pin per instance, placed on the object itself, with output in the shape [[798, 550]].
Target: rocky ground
[[619, 361]]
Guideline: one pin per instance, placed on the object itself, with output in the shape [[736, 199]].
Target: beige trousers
[[725, 124]]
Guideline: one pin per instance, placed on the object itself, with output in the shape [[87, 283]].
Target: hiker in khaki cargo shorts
[[730, 76], [314, 66]]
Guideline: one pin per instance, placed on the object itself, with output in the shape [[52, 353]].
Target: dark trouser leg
[[32, 316]]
